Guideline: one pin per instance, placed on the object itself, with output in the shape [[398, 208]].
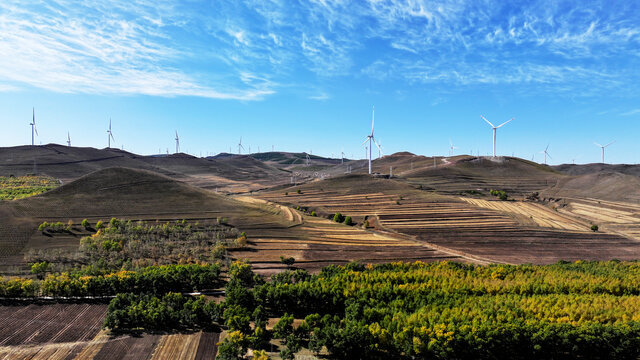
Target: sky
[[304, 76]]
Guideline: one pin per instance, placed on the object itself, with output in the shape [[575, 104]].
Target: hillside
[[70, 163], [604, 185], [572, 169]]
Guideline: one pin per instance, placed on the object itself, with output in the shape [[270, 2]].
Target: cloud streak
[[246, 50]]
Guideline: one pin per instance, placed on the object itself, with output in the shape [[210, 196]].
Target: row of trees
[[97, 282]]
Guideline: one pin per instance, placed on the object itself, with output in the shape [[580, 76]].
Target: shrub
[[348, 221], [85, 223], [286, 194], [299, 191], [313, 213], [594, 228], [337, 217], [219, 251], [287, 260], [99, 225]]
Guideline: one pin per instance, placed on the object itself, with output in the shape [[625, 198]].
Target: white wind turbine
[[494, 131], [342, 157], [546, 154], [68, 139], [110, 135], [33, 127], [177, 142], [240, 147], [451, 148], [371, 138], [601, 146]]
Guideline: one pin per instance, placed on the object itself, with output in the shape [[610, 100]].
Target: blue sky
[[303, 75]]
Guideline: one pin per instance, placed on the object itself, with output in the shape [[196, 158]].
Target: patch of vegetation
[[472, 192], [13, 188], [92, 281], [458, 311], [501, 194], [348, 221], [133, 244], [287, 260], [337, 217], [594, 228]]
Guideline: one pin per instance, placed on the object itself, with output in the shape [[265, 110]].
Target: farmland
[[484, 230], [13, 188], [73, 331]]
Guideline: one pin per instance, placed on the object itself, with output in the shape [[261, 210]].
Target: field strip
[[94, 346], [539, 214], [289, 214], [601, 213], [343, 243], [55, 350]]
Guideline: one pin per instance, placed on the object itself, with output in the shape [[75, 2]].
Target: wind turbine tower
[[601, 146], [33, 127], [68, 139], [177, 142], [370, 138], [240, 147], [109, 135], [342, 157], [546, 154], [494, 131], [451, 148]]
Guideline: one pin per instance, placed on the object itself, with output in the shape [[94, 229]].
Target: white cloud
[[631, 112]]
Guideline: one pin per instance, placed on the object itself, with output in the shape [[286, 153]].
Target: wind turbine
[[494, 131], [601, 146], [307, 159], [68, 139], [546, 154], [451, 148], [240, 146], [342, 157], [177, 142], [110, 135], [371, 138], [380, 153], [33, 127]]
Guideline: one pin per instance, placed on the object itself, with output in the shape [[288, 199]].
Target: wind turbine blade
[[504, 123], [598, 145], [610, 143], [373, 113], [365, 140], [545, 149], [488, 122], [111, 134], [549, 156], [35, 129]]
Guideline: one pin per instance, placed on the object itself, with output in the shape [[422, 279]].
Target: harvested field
[[56, 323], [511, 232], [540, 214], [315, 242], [615, 216]]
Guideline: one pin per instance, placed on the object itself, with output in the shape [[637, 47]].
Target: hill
[[572, 169], [69, 163], [463, 173]]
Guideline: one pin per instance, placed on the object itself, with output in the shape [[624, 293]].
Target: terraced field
[[482, 231], [539, 214], [72, 331], [619, 217], [316, 242]]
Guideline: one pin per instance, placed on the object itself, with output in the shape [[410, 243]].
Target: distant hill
[[69, 163], [573, 169], [604, 185]]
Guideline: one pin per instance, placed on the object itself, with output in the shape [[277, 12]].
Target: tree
[[99, 225], [348, 221], [287, 260], [40, 269], [85, 223], [337, 217], [594, 228]]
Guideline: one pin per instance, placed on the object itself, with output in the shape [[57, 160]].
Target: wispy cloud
[[631, 112], [246, 49]]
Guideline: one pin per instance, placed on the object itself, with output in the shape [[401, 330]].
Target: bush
[[337, 217], [313, 213], [99, 225], [594, 228], [287, 260], [502, 195], [299, 191], [85, 223], [348, 221]]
